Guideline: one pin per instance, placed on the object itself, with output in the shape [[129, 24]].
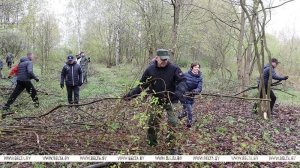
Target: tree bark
[[176, 5]]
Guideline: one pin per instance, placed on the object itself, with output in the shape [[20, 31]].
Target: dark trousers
[[84, 73], [188, 108], [21, 85], [154, 121], [9, 64], [272, 97], [71, 90]]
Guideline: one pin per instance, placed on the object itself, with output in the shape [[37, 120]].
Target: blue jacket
[[274, 76], [25, 70], [9, 58], [71, 74], [194, 84]]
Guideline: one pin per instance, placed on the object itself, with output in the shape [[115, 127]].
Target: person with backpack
[[25, 74], [9, 60], [194, 86], [71, 76]]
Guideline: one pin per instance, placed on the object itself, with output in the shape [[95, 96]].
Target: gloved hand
[[9, 77], [190, 94], [127, 97], [37, 79], [178, 94], [286, 77], [61, 86], [80, 84]]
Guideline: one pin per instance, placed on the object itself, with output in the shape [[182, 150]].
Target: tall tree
[[176, 7], [47, 38]]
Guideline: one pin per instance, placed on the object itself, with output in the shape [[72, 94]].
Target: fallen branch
[[283, 91], [67, 105], [236, 97]]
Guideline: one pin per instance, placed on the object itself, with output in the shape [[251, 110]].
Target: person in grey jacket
[[84, 63], [71, 75], [25, 74]]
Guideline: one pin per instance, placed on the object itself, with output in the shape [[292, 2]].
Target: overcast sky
[[285, 18]]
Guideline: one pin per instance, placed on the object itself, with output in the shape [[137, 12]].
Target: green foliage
[[183, 63]]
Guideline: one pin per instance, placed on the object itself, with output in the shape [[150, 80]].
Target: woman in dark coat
[[194, 84]]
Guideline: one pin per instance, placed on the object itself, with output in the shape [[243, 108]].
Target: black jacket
[[25, 70], [71, 74], [159, 79]]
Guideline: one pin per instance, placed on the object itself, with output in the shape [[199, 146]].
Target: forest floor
[[111, 126]]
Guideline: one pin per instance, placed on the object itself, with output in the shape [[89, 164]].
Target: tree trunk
[[240, 53], [248, 60], [176, 5], [118, 35]]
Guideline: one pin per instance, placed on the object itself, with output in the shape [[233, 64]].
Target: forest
[[227, 37]]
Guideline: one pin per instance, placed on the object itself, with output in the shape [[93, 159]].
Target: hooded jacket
[[159, 79], [274, 75], [71, 74], [25, 70], [194, 84], [9, 58]]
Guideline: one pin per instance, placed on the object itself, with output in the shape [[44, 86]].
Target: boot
[[189, 124], [5, 107], [254, 108], [182, 115], [274, 113]]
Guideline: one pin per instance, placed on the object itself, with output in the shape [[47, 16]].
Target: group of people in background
[[73, 75], [24, 71]]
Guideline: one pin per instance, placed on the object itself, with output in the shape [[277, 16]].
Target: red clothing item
[[14, 71]]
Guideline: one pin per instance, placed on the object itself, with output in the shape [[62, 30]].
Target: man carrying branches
[[266, 74], [167, 83]]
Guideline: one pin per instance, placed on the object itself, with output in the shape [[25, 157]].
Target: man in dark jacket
[[167, 83], [71, 75], [9, 60], [25, 74], [266, 81]]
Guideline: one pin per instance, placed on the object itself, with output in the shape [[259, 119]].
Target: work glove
[[191, 94], [127, 97], [286, 77], [178, 94], [9, 77], [37, 79], [61, 86], [80, 84]]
